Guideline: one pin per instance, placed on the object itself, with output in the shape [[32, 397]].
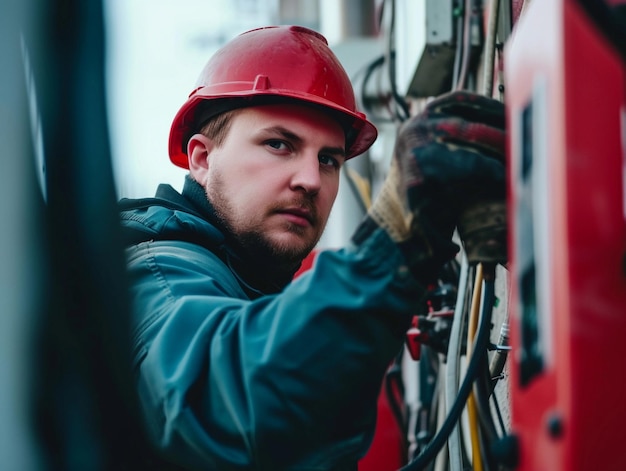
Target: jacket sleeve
[[287, 381]]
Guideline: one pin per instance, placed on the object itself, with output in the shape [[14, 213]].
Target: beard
[[250, 237]]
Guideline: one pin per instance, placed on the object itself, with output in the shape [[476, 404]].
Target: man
[[237, 366]]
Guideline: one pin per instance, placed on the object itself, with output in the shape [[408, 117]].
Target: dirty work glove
[[447, 159]]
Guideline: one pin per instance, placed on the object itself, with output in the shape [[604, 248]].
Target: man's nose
[[306, 174]]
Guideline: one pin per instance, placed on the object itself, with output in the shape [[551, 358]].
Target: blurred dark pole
[[84, 403], [359, 18], [20, 250]]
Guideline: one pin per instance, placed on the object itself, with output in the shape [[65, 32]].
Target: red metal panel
[[387, 452], [566, 100]]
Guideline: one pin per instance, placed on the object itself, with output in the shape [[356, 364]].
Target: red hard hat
[[266, 65]]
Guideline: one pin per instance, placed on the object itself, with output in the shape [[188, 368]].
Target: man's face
[[275, 177]]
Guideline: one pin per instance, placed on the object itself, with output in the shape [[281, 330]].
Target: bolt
[[555, 425]]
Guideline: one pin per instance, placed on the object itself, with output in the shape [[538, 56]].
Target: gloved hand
[[448, 159]]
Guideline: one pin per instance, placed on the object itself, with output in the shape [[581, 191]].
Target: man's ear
[[198, 149]]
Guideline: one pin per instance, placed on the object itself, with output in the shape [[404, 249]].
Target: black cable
[[481, 394], [364, 101], [480, 351], [403, 105], [496, 406], [394, 376], [488, 433], [369, 70], [488, 461]]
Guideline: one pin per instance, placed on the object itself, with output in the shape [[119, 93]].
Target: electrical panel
[[424, 46], [566, 102]]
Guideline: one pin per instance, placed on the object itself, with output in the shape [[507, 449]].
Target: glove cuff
[[389, 209], [424, 255]]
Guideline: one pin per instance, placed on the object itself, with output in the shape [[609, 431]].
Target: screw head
[[554, 425]]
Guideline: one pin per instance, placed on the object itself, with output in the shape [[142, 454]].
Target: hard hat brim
[[360, 133]]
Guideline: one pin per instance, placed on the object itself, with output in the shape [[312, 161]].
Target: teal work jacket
[[233, 378]]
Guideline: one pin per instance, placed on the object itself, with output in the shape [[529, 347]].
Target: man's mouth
[[299, 216]]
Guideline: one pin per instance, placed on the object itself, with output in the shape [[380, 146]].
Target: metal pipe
[[490, 48]]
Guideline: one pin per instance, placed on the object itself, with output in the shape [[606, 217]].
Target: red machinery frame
[[566, 103]]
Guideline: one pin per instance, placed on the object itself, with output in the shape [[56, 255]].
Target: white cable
[[441, 461], [452, 365]]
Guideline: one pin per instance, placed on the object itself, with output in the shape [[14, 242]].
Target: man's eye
[[276, 144], [328, 160]]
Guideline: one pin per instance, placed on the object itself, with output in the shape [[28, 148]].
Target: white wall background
[[156, 49]]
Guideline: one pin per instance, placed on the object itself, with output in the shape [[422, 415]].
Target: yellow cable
[[471, 404], [361, 185]]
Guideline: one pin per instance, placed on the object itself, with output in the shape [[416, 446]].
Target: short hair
[[217, 128]]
